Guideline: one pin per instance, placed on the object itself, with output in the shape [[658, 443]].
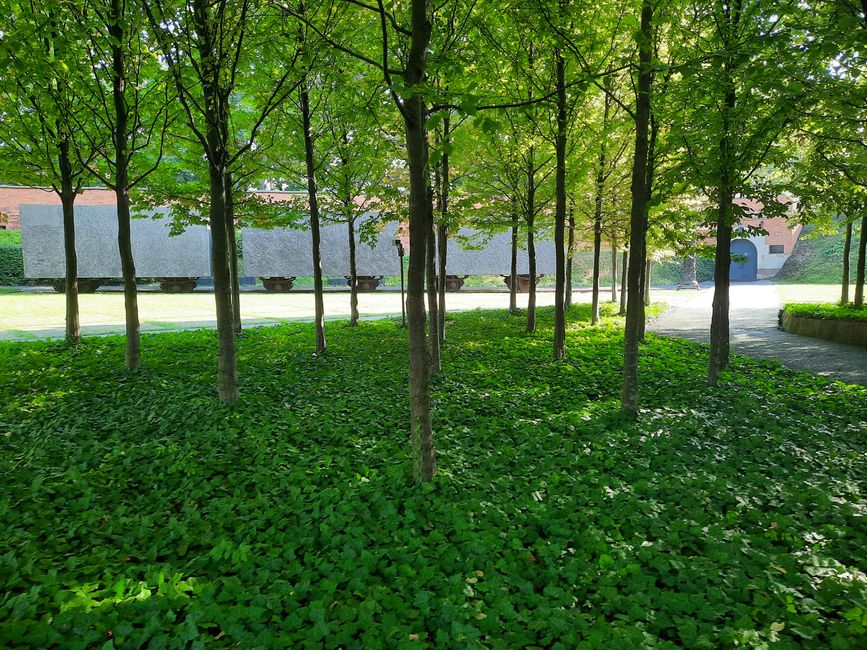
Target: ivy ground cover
[[139, 512]]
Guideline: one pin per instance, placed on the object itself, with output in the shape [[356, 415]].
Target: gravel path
[[754, 333]]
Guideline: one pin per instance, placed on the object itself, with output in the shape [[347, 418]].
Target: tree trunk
[[597, 206], [647, 271], [847, 249], [513, 268], [67, 200], [859, 272], [310, 166], [228, 370], [414, 114], [638, 214], [560, 214], [233, 256], [719, 324], [216, 119], [353, 275], [442, 236], [570, 254], [132, 355], [613, 273], [597, 254], [432, 297], [531, 247], [624, 263], [442, 229], [641, 289]]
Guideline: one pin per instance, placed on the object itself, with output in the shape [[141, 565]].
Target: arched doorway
[[746, 269]]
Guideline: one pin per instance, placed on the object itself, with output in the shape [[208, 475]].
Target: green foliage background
[[11, 258], [819, 259]]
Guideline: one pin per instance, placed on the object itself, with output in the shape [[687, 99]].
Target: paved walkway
[[754, 333]]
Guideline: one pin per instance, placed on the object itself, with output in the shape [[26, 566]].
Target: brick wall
[[12, 198]]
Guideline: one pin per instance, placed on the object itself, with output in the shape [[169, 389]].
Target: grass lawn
[[33, 316], [139, 512]]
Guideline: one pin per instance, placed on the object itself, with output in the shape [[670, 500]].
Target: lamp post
[[400, 253]]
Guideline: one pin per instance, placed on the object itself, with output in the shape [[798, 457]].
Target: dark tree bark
[[353, 275], [624, 264], [414, 114], [597, 206], [638, 214], [132, 355], [312, 198], [513, 269], [642, 280], [432, 297], [597, 237], [570, 253], [531, 246], [233, 256], [442, 228], [560, 213], [67, 199], [647, 271], [719, 324], [613, 273], [859, 271], [847, 249], [217, 171]]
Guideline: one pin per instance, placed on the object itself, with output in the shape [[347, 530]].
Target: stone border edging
[[850, 332]]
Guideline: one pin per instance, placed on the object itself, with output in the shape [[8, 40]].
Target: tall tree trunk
[[859, 272], [597, 204], [570, 254], [648, 268], [353, 274], [432, 297], [597, 254], [560, 212], [531, 246], [414, 114], [215, 109], [847, 249], [233, 255], [638, 214], [312, 198], [624, 263], [719, 324], [442, 229], [613, 273], [132, 355], [228, 371], [642, 279], [513, 268], [67, 200]]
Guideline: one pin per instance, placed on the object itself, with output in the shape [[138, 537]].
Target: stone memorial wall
[[156, 253], [474, 253], [285, 252]]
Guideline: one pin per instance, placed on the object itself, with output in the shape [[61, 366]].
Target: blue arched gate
[[744, 270]]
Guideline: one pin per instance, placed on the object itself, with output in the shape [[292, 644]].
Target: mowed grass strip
[[139, 512]]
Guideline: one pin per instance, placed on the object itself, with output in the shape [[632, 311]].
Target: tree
[[205, 44], [127, 95], [38, 114], [734, 109]]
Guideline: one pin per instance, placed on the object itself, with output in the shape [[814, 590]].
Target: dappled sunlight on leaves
[[137, 504]]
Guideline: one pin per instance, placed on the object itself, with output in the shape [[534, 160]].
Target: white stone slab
[[155, 252], [286, 252], [474, 253]]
